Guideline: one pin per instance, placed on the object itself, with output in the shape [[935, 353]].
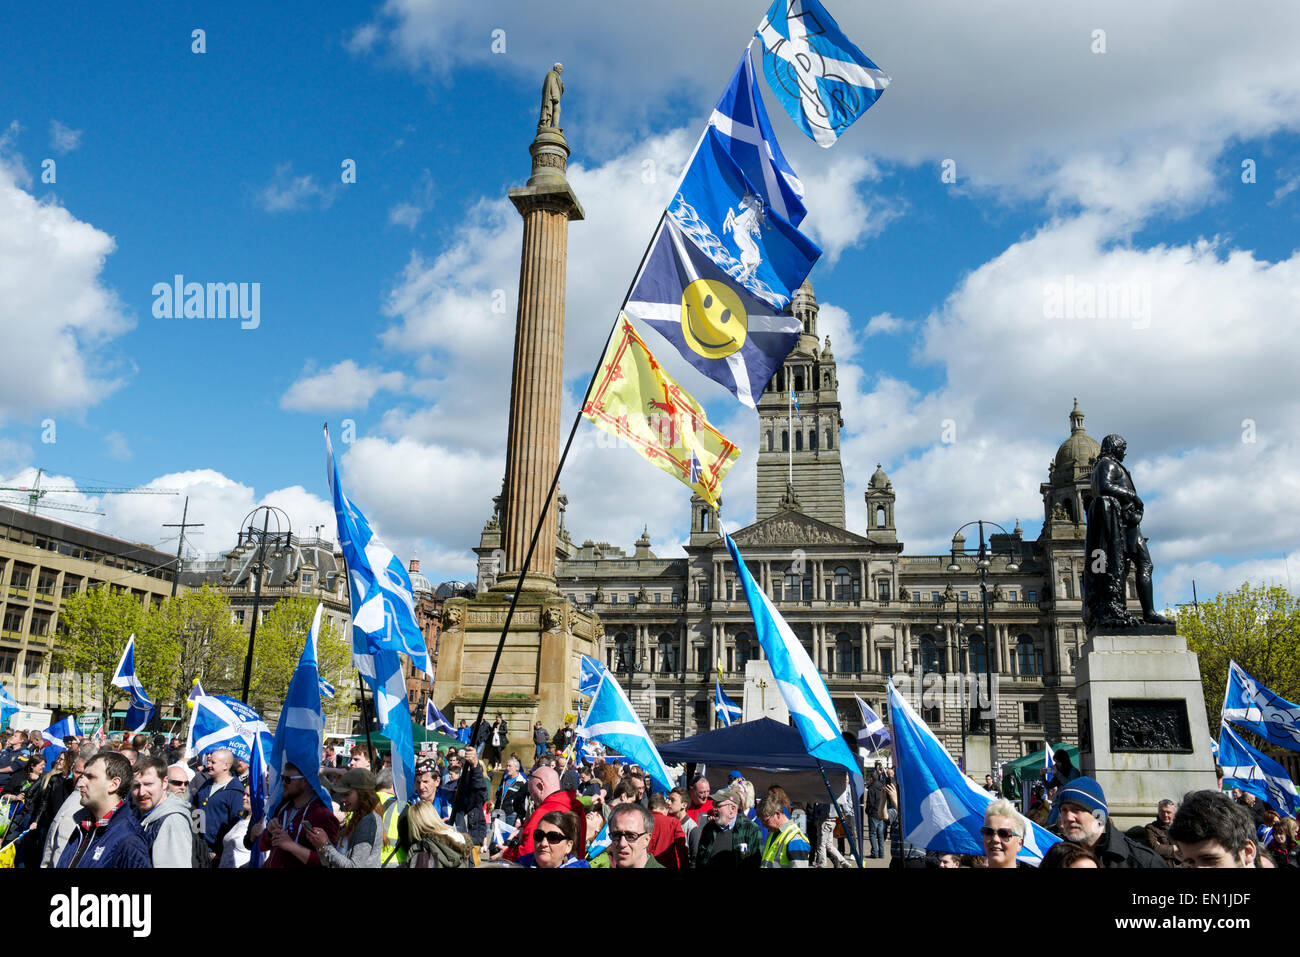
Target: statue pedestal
[[1142, 727], [537, 678], [762, 696]]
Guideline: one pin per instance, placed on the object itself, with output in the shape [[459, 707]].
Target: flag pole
[[555, 481], [370, 748], [848, 830]]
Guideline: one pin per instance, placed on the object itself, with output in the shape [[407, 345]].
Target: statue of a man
[[1114, 542], [552, 90]]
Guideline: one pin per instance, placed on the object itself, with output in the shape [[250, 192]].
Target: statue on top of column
[[552, 90]]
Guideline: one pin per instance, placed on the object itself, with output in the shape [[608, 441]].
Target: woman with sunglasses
[[554, 837], [1003, 833]]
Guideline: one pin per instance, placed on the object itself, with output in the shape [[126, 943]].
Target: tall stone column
[[547, 203]]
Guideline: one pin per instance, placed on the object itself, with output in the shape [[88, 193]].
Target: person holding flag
[[141, 710]]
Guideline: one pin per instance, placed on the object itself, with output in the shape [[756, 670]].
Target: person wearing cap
[[729, 841], [358, 842], [1082, 816], [284, 835], [787, 846]]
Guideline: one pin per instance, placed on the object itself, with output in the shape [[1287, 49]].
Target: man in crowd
[[106, 833], [729, 841], [512, 796], [285, 833], [667, 841], [1083, 817], [874, 800], [1157, 833], [588, 786], [568, 777], [362, 758], [546, 794], [787, 846], [221, 800], [63, 825], [164, 816], [630, 827], [677, 802], [471, 794], [701, 803], [13, 759], [1213, 831], [178, 781]]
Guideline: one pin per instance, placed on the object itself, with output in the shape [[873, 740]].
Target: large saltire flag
[[942, 809], [590, 675], [612, 721], [820, 78], [873, 735], [1249, 770], [141, 709], [635, 399], [802, 688], [1248, 704], [9, 706], [734, 338], [300, 733], [222, 722]]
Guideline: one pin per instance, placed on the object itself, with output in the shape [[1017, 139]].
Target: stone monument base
[[762, 697], [537, 678], [1143, 732]]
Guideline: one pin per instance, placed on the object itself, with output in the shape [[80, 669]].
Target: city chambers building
[[862, 608]]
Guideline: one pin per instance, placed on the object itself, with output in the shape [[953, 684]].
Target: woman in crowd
[[1066, 854], [608, 775], [434, 842], [496, 740], [1282, 845], [233, 852], [360, 836], [554, 838], [1003, 832]]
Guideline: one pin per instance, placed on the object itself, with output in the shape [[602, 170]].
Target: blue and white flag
[[591, 675], [718, 327], [195, 694], [435, 720], [942, 809], [802, 688], [219, 721], [9, 706], [1249, 770], [794, 398], [741, 121], [820, 78], [325, 688], [612, 721], [726, 709], [727, 218], [140, 712], [300, 733], [383, 602], [502, 832], [600, 844], [873, 735], [1249, 705], [55, 733]]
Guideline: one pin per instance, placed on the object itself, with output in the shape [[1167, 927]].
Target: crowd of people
[[135, 803]]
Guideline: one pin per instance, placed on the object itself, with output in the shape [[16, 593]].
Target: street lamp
[[269, 512], [983, 563]]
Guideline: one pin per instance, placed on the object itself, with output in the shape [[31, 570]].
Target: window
[[812, 440], [40, 624], [978, 655], [785, 441], [1030, 712], [882, 589], [880, 516], [667, 654], [886, 664], [929, 655], [623, 647], [71, 585], [663, 708], [1011, 595], [798, 381], [931, 716], [829, 442], [22, 576], [702, 660], [591, 598], [844, 584], [916, 596], [746, 650], [45, 584], [798, 441], [702, 711], [1029, 660], [965, 596], [704, 519], [731, 589], [1033, 596], [934, 597], [658, 597], [769, 440], [776, 589], [613, 598], [8, 662], [848, 654], [305, 583], [14, 619], [807, 587]]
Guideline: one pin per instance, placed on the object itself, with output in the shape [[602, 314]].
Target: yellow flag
[[637, 401]]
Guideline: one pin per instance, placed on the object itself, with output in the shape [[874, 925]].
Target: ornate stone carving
[[452, 616], [785, 531], [553, 617], [1143, 725]]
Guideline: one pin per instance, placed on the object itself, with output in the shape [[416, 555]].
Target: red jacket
[[559, 801], [694, 812], [668, 842], [296, 821]]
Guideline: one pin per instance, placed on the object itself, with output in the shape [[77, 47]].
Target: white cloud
[[118, 447], [404, 214], [343, 386], [63, 139], [408, 213], [288, 192], [883, 324]]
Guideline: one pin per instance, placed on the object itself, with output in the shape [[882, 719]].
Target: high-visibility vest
[[390, 855], [774, 855]]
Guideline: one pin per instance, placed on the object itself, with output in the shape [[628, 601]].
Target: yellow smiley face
[[714, 323]]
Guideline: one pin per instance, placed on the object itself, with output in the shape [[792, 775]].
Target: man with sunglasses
[[630, 827], [285, 833]]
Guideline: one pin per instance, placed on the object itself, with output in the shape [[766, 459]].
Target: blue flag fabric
[[802, 688], [873, 735], [590, 676], [612, 721], [325, 688], [726, 709], [1249, 770], [600, 844], [219, 721], [1249, 705], [727, 217], [435, 720], [9, 706], [140, 712], [300, 732], [819, 77], [718, 327], [942, 809], [741, 120], [54, 735]]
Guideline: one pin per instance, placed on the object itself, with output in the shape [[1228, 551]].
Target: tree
[[1258, 628], [200, 640], [280, 640], [95, 626]]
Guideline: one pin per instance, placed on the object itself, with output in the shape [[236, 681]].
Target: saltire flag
[[942, 809], [579, 744], [1048, 763], [325, 688], [635, 399], [733, 337], [141, 709], [802, 688], [383, 625], [741, 121], [819, 77], [300, 733], [9, 706], [54, 735], [435, 720], [726, 216], [726, 709], [600, 844], [219, 721], [502, 832], [195, 694], [590, 676], [612, 721], [1249, 705], [873, 735], [1249, 770]]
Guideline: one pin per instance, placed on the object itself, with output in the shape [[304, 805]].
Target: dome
[[419, 584], [1079, 451], [879, 479], [454, 589]]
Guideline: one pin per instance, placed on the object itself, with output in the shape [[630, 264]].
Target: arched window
[[978, 655], [667, 654], [704, 519], [812, 440], [746, 650], [1029, 660], [785, 441], [780, 380], [847, 588], [798, 381], [880, 516], [623, 652], [826, 379], [929, 655], [798, 441], [848, 654]]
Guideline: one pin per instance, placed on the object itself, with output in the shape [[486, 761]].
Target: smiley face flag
[[722, 329], [636, 400]]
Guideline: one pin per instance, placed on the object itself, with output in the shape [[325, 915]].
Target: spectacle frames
[[631, 837], [550, 837], [291, 777], [178, 784], [1003, 833]]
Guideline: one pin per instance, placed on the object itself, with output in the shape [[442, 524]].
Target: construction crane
[[35, 493]]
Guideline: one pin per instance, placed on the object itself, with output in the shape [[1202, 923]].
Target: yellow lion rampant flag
[[637, 401]]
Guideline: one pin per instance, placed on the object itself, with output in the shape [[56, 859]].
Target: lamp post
[[269, 512], [982, 563]]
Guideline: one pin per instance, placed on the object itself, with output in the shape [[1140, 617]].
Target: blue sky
[[1115, 167]]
